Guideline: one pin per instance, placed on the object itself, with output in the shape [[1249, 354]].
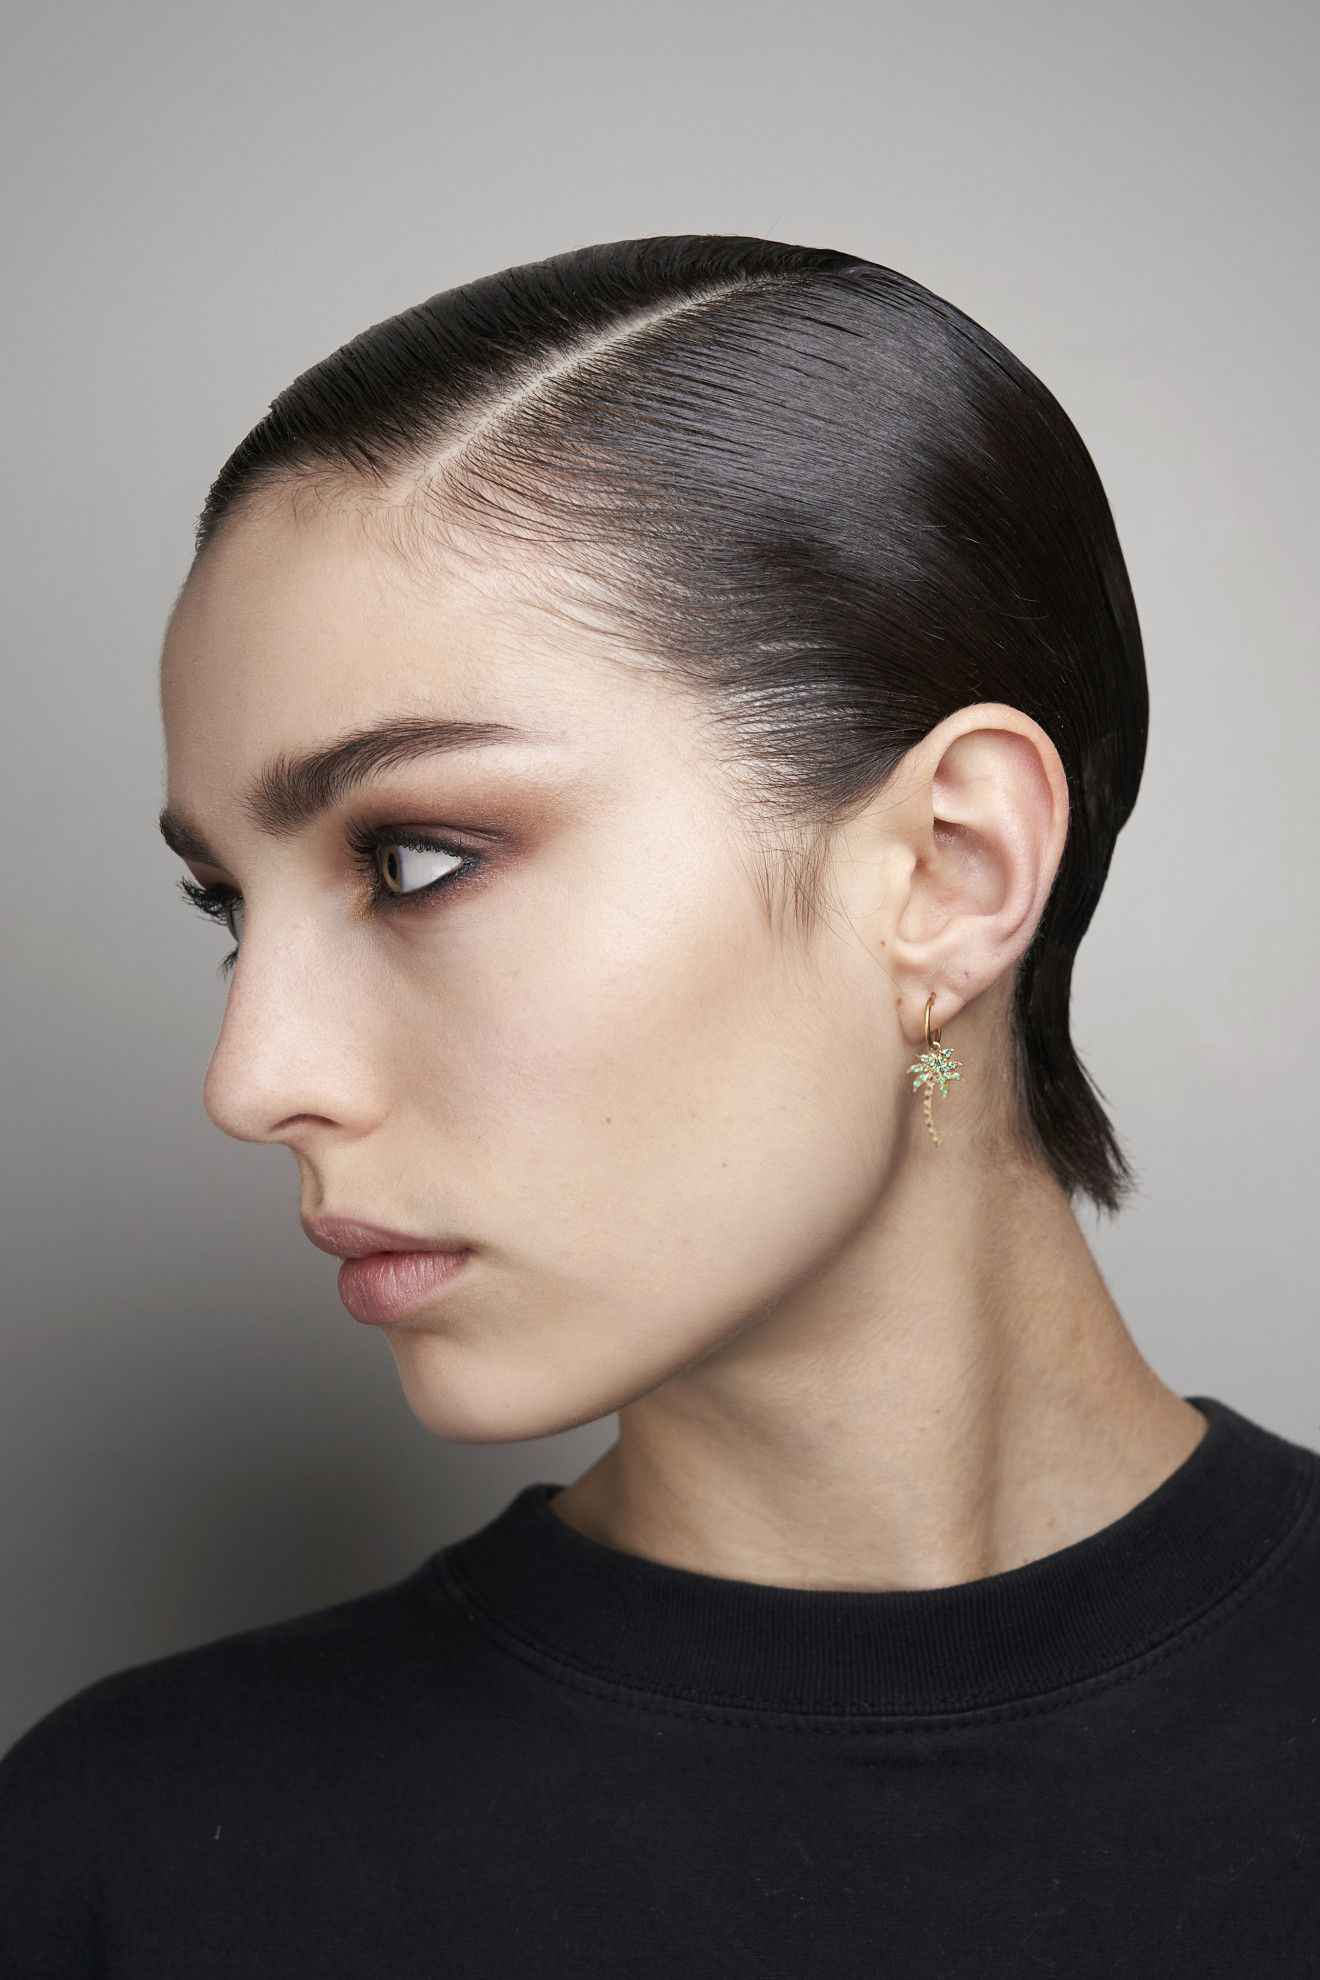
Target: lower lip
[[388, 1285]]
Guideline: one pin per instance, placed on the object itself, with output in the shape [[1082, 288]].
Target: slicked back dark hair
[[808, 489]]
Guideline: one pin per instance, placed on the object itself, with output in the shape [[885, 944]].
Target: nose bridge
[[283, 1051]]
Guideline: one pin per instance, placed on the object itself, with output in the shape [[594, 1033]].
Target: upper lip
[[352, 1237]]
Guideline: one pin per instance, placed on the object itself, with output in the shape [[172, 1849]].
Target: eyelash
[[365, 842]]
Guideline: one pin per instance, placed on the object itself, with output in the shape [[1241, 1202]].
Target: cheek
[[668, 1108], [673, 1153]]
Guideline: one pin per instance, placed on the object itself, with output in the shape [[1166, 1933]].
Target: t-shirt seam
[[1301, 1507]]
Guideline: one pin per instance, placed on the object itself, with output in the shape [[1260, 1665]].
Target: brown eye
[[406, 869]]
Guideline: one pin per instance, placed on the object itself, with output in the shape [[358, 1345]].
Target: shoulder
[[121, 1779], [240, 1688]]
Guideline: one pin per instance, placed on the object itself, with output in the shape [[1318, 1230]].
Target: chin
[[470, 1398]]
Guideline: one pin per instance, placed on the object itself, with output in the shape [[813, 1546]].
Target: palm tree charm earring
[[936, 1064]]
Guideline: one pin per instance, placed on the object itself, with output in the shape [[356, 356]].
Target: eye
[[402, 869], [222, 904], [409, 868], [404, 866]]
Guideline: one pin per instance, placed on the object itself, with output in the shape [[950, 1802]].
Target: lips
[[353, 1237], [386, 1285]]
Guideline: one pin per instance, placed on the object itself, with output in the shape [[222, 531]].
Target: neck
[[953, 1394]]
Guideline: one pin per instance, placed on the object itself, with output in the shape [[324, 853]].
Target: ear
[[977, 836]]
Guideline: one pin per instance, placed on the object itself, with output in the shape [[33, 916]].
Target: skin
[[680, 1135]]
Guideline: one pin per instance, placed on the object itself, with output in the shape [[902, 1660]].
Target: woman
[[655, 725]]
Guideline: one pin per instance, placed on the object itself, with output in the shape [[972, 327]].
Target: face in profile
[[523, 994]]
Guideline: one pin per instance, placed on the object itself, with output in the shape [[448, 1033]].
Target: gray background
[[194, 1435]]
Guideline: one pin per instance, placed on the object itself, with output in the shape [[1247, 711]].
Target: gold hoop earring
[[936, 1066]]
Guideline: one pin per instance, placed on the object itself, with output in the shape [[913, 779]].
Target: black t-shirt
[[540, 1756]]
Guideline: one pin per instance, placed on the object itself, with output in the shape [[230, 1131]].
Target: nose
[[286, 1059]]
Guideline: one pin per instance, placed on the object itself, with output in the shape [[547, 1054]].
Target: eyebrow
[[292, 791]]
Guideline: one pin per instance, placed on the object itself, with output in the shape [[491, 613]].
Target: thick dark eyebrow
[[291, 791]]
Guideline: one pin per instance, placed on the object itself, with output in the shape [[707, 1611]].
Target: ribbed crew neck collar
[[554, 1594]]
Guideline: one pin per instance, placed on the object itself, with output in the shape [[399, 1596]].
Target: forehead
[[298, 627]]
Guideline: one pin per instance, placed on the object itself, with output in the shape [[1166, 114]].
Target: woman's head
[[805, 601]]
